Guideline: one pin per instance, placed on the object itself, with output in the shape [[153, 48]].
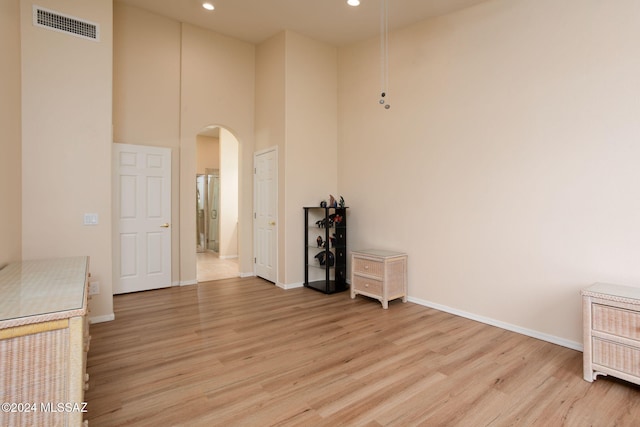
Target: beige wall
[[270, 93], [311, 168], [229, 169], [66, 141], [507, 166], [10, 160], [207, 154], [146, 88]]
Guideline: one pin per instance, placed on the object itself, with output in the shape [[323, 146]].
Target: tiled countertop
[[42, 290]]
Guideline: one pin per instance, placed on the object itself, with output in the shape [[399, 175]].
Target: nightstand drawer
[[616, 321], [364, 284], [616, 356], [368, 267]]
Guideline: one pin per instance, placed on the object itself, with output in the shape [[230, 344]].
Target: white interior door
[[266, 213], [142, 210]]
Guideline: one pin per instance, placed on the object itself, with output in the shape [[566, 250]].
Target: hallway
[[210, 267]]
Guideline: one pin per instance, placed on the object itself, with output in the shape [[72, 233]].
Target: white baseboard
[[101, 319], [251, 274], [287, 286], [503, 325], [227, 256]]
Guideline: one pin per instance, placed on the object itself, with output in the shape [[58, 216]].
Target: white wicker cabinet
[[379, 274], [611, 322], [44, 339]]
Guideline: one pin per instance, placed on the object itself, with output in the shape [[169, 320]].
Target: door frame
[[273, 149]]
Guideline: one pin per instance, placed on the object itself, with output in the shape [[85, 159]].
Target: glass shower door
[[208, 211]]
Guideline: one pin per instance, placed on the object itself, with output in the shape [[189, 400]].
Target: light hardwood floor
[[244, 352]]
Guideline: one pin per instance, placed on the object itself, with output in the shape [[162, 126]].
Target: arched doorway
[[217, 176]]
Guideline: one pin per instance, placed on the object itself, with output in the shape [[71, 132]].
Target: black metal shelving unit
[[330, 224]]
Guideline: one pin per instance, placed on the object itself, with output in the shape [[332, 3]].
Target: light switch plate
[[90, 219], [94, 288]]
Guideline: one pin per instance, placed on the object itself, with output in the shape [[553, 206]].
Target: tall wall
[[171, 80], [229, 174], [507, 165], [296, 102], [10, 142], [311, 167], [66, 141]]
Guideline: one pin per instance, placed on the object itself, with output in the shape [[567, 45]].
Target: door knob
[[272, 223], [165, 225]]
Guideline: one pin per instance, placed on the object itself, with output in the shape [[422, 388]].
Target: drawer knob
[[366, 285], [366, 267]]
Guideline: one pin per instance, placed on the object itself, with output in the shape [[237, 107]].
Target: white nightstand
[[379, 274], [611, 321]]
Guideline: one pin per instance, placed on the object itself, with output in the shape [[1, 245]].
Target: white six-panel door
[[142, 218], [266, 212]]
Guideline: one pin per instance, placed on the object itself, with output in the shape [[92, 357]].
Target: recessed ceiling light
[[209, 6], [353, 2]]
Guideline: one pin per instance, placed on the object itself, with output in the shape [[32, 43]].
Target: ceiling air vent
[[65, 24]]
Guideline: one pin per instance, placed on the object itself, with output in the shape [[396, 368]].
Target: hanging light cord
[[384, 52]]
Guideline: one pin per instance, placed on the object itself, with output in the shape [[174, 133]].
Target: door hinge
[[255, 215], [255, 260]]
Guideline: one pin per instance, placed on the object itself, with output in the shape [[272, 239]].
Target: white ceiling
[[331, 21]]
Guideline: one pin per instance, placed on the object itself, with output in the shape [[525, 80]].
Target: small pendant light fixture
[[353, 2], [384, 53]]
